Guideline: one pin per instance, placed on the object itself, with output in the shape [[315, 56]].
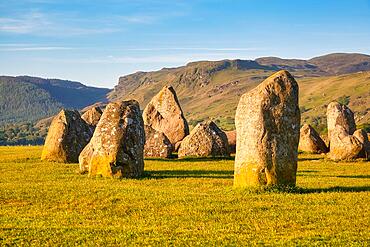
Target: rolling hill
[[27, 99], [211, 89]]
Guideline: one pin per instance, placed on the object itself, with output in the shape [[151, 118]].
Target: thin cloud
[[196, 49]]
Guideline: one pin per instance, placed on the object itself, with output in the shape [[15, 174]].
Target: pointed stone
[[310, 141], [206, 139], [68, 134], [267, 125], [164, 114], [92, 116], [117, 146], [231, 138]]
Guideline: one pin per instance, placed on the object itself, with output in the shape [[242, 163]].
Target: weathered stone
[[340, 115], [361, 135], [164, 114], [267, 125], [343, 146], [117, 146], [310, 141], [68, 134], [206, 139], [341, 126], [92, 116], [231, 138], [156, 144]]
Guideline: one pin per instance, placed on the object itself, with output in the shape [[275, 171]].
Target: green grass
[[187, 202]]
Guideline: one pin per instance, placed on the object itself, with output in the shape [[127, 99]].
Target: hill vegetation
[[211, 90], [27, 99]]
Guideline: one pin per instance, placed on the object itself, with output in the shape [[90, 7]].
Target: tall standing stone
[[340, 116], [206, 139], [267, 124], [68, 134], [117, 146], [310, 141], [164, 114]]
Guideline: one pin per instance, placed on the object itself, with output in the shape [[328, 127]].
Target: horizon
[[95, 43]]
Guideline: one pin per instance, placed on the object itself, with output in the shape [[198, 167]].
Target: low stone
[[156, 144], [310, 141], [67, 136], [362, 136], [206, 139], [344, 146]]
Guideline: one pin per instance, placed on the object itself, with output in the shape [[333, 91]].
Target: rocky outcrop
[[310, 141], [206, 139], [156, 144], [231, 138], [164, 114], [117, 146], [267, 125], [68, 134], [92, 116]]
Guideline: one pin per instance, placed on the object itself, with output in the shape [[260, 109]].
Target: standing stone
[[156, 144], [231, 138], [267, 125], [206, 139], [164, 114], [341, 126], [117, 146], [310, 141], [340, 115], [92, 116], [68, 134]]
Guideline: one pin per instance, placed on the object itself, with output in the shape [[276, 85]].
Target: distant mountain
[[211, 89], [27, 99]]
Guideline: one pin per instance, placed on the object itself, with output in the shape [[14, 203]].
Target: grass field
[[189, 202]]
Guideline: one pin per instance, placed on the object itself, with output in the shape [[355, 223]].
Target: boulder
[[117, 146], [68, 134], [267, 125], [206, 139], [362, 136], [164, 114], [344, 146], [310, 141], [231, 138], [156, 144], [92, 116], [341, 127]]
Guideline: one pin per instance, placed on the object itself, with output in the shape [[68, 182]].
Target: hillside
[[209, 89], [28, 99]]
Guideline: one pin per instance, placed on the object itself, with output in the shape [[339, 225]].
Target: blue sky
[[95, 42]]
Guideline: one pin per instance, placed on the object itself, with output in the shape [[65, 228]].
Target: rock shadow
[[162, 174]]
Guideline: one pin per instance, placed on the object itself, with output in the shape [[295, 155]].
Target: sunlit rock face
[[164, 114], [267, 125], [68, 134], [117, 146], [310, 141]]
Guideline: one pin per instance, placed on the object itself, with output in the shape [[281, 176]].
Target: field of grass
[[188, 202]]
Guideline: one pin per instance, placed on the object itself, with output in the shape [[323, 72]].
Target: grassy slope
[[218, 99], [180, 202]]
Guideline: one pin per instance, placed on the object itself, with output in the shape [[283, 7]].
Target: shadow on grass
[[191, 159], [334, 189], [353, 176], [310, 158], [161, 174]]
